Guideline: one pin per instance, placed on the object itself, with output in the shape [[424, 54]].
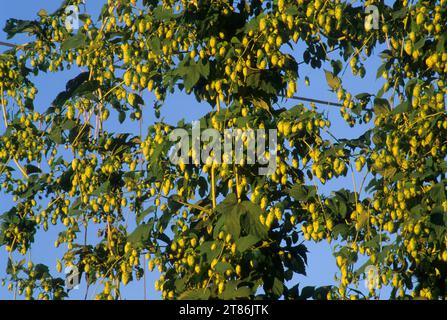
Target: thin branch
[[11, 45], [194, 206], [334, 104], [6, 44]]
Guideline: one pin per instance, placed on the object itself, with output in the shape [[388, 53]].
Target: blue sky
[[321, 264]]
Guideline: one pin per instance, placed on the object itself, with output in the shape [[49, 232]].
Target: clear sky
[[321, 264]]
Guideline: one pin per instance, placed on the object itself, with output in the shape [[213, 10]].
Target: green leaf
[[204, 68], [277, 287], [362, 219], [419, 44], [261, 104], [296, 264], [437, 192], [30, 169], [42, 13], [302, 193], [140, 234], [191, 77], [102, 189], [230, 217], [180, 284], [229, 202], [332, 80], [161, 13], [155, 45], [71, 86], [320, 293], [340, 229], [121, 116], [144, 213], [41, 271], [363, 96], [235, 40], [86, 87], [438, 217], [389, 172], [381, 106], [337, 65], [56, 135], [68, 124], [75, 212], [74, 42], [137, 101], [221, 267], [246, 242], [232, 221], [232, 291], [15, 26], [205, 248], [195, 294], [440, 46], [307, 292], [251, 220], [338, 206], [402, 107]]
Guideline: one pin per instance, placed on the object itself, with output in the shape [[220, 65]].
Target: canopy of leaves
[[224, 231]]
